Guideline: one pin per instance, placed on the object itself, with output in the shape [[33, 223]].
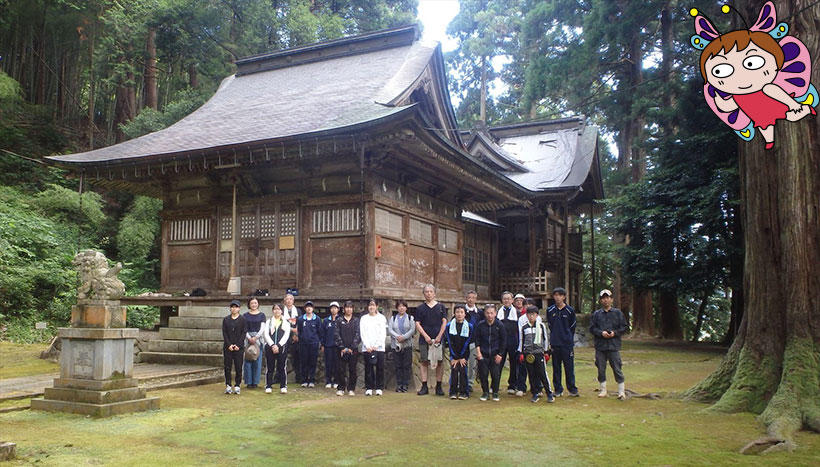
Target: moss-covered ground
[[18, 360], [200, 425]]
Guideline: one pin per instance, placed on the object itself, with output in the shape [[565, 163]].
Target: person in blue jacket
[[459, 334], [310, 339], [561, 320], [329, 343]]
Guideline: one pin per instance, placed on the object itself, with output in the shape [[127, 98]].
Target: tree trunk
[[483, 99], [125, 107], [91, 89], [773, 366], [151, 70], [193, 81], [699, 322]]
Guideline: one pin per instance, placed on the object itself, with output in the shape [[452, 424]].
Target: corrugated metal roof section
[[473, 217], [282, 102]]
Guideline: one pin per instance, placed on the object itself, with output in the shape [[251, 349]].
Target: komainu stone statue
[[97, 280]]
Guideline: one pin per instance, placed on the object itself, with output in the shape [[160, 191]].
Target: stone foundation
[[96, 365]]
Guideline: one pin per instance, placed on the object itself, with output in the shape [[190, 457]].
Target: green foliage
[[37, 280], [10, 92], [150, 120], [138, 229], [142, 317]]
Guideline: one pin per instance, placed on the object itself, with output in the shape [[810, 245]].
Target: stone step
[[179, 358], [96, 410], [94, 397], [186, 334], [187, 379], [206, 311], [195, 322], [175, 346]]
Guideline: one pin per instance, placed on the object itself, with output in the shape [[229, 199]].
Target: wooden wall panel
[[336, 262], [420, 267], [448, 273], [190, 266], [390, 267]]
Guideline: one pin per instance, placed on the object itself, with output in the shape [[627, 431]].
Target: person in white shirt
[[373, 330], [276, 332]]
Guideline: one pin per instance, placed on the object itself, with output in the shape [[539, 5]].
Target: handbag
[[251, 353]]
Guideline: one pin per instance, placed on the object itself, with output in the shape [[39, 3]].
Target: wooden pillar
[[566, 249]]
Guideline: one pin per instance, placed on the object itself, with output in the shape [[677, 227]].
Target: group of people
[[478, 341]]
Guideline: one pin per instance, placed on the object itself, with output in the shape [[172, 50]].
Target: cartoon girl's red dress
[[761, 109]]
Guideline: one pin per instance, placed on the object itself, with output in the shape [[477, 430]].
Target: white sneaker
[[378, 392], [340, 393], [368, 392], [621, 391], [283, 390], [622, 396], [351, 393], [519, 393], [268, 390], [311, 385], [510, 391], [228, 390], [602, 392], [236, 389], [304, 385], [335, 386], [328, 386]]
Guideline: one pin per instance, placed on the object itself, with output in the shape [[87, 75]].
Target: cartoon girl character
[[751, 79]]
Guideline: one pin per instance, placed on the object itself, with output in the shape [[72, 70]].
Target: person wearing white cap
[[607, 325], [329, 343]]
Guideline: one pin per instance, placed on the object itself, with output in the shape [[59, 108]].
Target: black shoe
[[535, 397], [439, 391], [574, 394], [423, 391]]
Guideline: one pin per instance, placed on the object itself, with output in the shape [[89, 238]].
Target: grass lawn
[[18, 360], [200, 425]]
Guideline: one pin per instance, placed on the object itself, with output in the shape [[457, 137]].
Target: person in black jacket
[[562, 321], [608, 325], [491, 343], [233, 335], [459, 334], [348, 341]]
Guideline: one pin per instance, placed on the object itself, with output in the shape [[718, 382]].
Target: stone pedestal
[[98, 314], [96, 366]]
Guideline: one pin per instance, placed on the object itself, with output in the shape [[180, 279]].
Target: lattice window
[[226, 228], [287, 223], [447, 239], [468, 265], [421, 232], [336, 220], [247, 226], [482, 267], [389, 223], [267, 225], [190, 229]]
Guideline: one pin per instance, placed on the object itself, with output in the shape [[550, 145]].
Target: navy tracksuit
[[310, 337], [331, 351], [459, 349], [562, 339]]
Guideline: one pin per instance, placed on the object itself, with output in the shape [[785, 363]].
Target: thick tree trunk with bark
[[150, 94], [773, 367]]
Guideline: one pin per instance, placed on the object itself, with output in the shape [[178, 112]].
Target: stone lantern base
[[96, 374]]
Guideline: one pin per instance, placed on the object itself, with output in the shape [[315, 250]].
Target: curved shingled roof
[[305, 90]]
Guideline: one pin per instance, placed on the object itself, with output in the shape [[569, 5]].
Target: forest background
[[82, 74]]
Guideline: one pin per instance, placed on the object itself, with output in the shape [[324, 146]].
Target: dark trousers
[[538, 374], [563, 355], [347, 373], [331, 362], [277, 366], [614, 359], [458, 379], [513, 379], [404, 361], [309, 354], [373, 369], [488, 368], [237, 359]]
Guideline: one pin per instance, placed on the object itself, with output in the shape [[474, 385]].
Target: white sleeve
[[266, 333]]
